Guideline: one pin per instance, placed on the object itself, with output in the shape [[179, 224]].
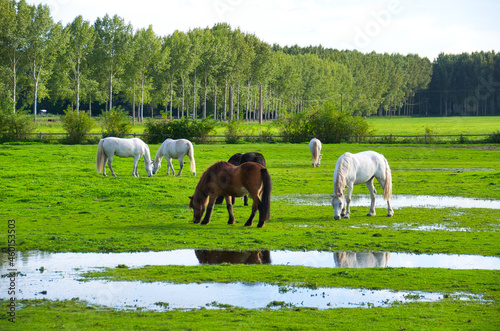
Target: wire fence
[[269, 138]]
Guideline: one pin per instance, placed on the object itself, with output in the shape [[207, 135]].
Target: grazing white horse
[[353, 169], [315, 148], [175, 149], [130, 147]]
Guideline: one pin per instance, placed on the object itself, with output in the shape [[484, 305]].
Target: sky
[[423, 27]]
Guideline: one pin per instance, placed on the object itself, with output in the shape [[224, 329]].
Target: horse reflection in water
[[234, 257], [361, 259]]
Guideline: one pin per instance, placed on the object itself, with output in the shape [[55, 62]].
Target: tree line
[[217, 72]]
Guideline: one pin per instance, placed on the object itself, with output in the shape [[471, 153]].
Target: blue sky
[[423, 27]]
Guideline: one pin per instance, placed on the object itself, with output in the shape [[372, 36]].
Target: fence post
[[425, 138], [41, 136]]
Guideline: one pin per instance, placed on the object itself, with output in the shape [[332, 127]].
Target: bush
[[116, 123], [325, 123], [234, 132], [14, 127], [493, 138], [195, 130], [77, 125]]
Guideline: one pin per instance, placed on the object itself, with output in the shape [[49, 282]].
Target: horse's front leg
[[210, 209], [348, 202], [255, 207], [170, 166], [181, 164], [245, 200], [373, 195], [229, 207]]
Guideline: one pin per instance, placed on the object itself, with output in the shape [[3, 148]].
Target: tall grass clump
[[77, 125], [325, 123], [196, 130], [493, 138], [116, 123], [234, 132], [15, 126]]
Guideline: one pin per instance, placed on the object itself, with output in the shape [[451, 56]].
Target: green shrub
[[234, 132], [77, 125], [116, 123], [14, 127], [326, 123], [493, 138], [194, 130]]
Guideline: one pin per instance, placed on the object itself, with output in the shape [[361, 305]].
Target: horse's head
[[149, 168], [338, 205], [156, 166], [198, 209]]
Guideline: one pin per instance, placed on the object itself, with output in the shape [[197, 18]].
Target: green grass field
[[378, 125], [59, 203]]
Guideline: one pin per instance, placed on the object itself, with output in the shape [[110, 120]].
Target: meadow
[[378, 125], [59, 203]]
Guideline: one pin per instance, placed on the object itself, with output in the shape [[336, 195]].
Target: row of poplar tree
[[219, 71]]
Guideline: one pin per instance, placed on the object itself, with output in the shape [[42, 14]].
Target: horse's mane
[[342, 171]]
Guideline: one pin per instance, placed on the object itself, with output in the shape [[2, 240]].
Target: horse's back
[[123, 147], [314, 144], [368, 164], [253, 157], [235, 159]]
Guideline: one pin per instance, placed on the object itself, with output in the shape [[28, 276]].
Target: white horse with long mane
[[353, 169], [315, 149], [123, 147], [175, 149]]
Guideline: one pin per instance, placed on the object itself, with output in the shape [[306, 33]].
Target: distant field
[[437, 125], [379, 126]]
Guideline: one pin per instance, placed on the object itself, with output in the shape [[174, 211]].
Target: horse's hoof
[[248, 223], [369, 214], [390, 214], [347, 216], [261, 225], [230, 222]]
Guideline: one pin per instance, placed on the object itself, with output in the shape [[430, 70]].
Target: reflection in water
[[59, 279], [234, 257], [397, 201], [361, 259]]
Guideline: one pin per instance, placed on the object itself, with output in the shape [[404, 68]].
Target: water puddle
[[445, 169], [56, 276], [397, 201], [416, 227]]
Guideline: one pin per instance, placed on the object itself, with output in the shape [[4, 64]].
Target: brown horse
[[223, 178]]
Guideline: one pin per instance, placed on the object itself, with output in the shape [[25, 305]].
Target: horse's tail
[[99, 163], [388, 182], [191, 158], [265, 199], [314, 151]]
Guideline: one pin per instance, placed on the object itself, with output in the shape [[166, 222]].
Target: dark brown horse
[[238, 159], [223, 178]]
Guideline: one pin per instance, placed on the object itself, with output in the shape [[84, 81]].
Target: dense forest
[[221, 72]]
